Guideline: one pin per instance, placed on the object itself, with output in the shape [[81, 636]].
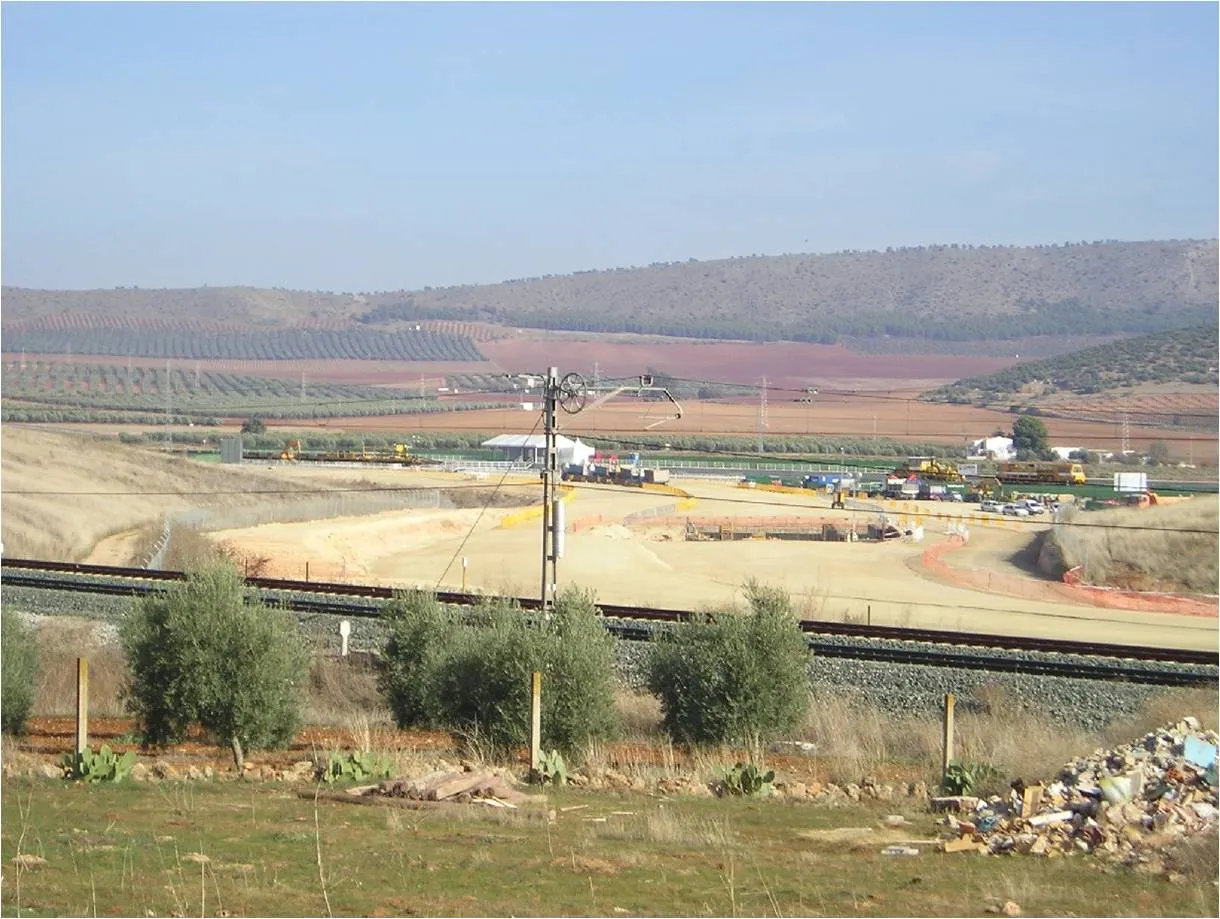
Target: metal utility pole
[[551, 541], [566, 394], [1126, 433]]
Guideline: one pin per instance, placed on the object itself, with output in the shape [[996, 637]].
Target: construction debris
[[480, 786], [1125, 804], [470, 786]]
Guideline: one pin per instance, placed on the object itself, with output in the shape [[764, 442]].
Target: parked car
[[1034, 507], [1015, 510], [991, 506]]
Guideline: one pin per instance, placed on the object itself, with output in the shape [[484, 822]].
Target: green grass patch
[[251, 849]]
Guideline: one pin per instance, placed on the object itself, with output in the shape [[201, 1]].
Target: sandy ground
[[99, 497], [883, 583]]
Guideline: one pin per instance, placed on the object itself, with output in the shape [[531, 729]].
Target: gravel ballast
[[901, 688]]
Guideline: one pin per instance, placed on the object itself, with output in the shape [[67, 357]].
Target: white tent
[[531, 448]]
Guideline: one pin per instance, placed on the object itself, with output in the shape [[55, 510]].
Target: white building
[[996, 448], [531, 448], [1065, 452]]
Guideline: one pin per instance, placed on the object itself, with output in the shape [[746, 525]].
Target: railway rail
[[900, 645]]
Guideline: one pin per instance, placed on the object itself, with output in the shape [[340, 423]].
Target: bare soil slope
[[1171, 548], [63, 493]]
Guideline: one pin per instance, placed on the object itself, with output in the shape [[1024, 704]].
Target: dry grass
[[61, 642], [121, 488], [341, 690], [856, 740], [668, 827], [1156, 556], [639, 715], [1164, 709]]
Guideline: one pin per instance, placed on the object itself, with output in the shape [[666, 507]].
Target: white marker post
[[345, 629], [465, 565]]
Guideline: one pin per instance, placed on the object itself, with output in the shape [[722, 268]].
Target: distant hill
[[1186, 356], [925, 296]]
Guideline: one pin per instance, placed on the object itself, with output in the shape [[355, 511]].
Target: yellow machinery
[[1063, 473], [931, 469]]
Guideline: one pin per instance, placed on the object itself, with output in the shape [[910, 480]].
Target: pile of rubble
[[1127, 804]]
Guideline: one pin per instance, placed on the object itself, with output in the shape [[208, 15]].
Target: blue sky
[[357, 147]]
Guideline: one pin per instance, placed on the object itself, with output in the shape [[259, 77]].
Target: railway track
[[929, 647]]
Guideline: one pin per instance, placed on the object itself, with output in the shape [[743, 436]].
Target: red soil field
[[860, 416]]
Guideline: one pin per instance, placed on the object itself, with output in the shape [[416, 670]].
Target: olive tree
[[736, 677], [469, 671], [203, 653]]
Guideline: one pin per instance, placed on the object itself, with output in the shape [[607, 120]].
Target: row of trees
[[264, 345], [746, 321], [1187, 355], [37, 388], [203, 653]]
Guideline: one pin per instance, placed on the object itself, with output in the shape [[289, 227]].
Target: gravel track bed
[[898, 688]]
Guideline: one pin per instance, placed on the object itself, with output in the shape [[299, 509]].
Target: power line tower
[[567, 395], [762, 413], [1126, 433]]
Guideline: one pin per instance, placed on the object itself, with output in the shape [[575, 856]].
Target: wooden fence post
[[948, 743], [82, 706], [535, 720]]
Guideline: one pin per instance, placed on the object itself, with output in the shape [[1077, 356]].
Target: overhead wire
[[890, 395], [482, 511]]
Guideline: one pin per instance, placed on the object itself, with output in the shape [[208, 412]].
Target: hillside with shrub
[[933, 294], [1186, 356]]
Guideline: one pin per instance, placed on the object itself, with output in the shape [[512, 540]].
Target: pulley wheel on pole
[[571, 393]]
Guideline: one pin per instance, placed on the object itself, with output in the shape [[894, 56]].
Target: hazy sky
[[355, 147]]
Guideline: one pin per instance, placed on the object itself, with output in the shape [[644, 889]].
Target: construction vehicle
[[1060, 473], [929, 469]]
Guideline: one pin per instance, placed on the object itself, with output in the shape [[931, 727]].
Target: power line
[[486, 504], [892, 395]]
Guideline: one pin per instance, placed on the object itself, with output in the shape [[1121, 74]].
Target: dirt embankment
[[64, 493], [1170, 549]]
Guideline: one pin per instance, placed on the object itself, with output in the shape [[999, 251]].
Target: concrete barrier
[[517, 518]]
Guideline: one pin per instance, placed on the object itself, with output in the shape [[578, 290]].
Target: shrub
[[201, 652], [443, 669], [18, 667], [738, 678]]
